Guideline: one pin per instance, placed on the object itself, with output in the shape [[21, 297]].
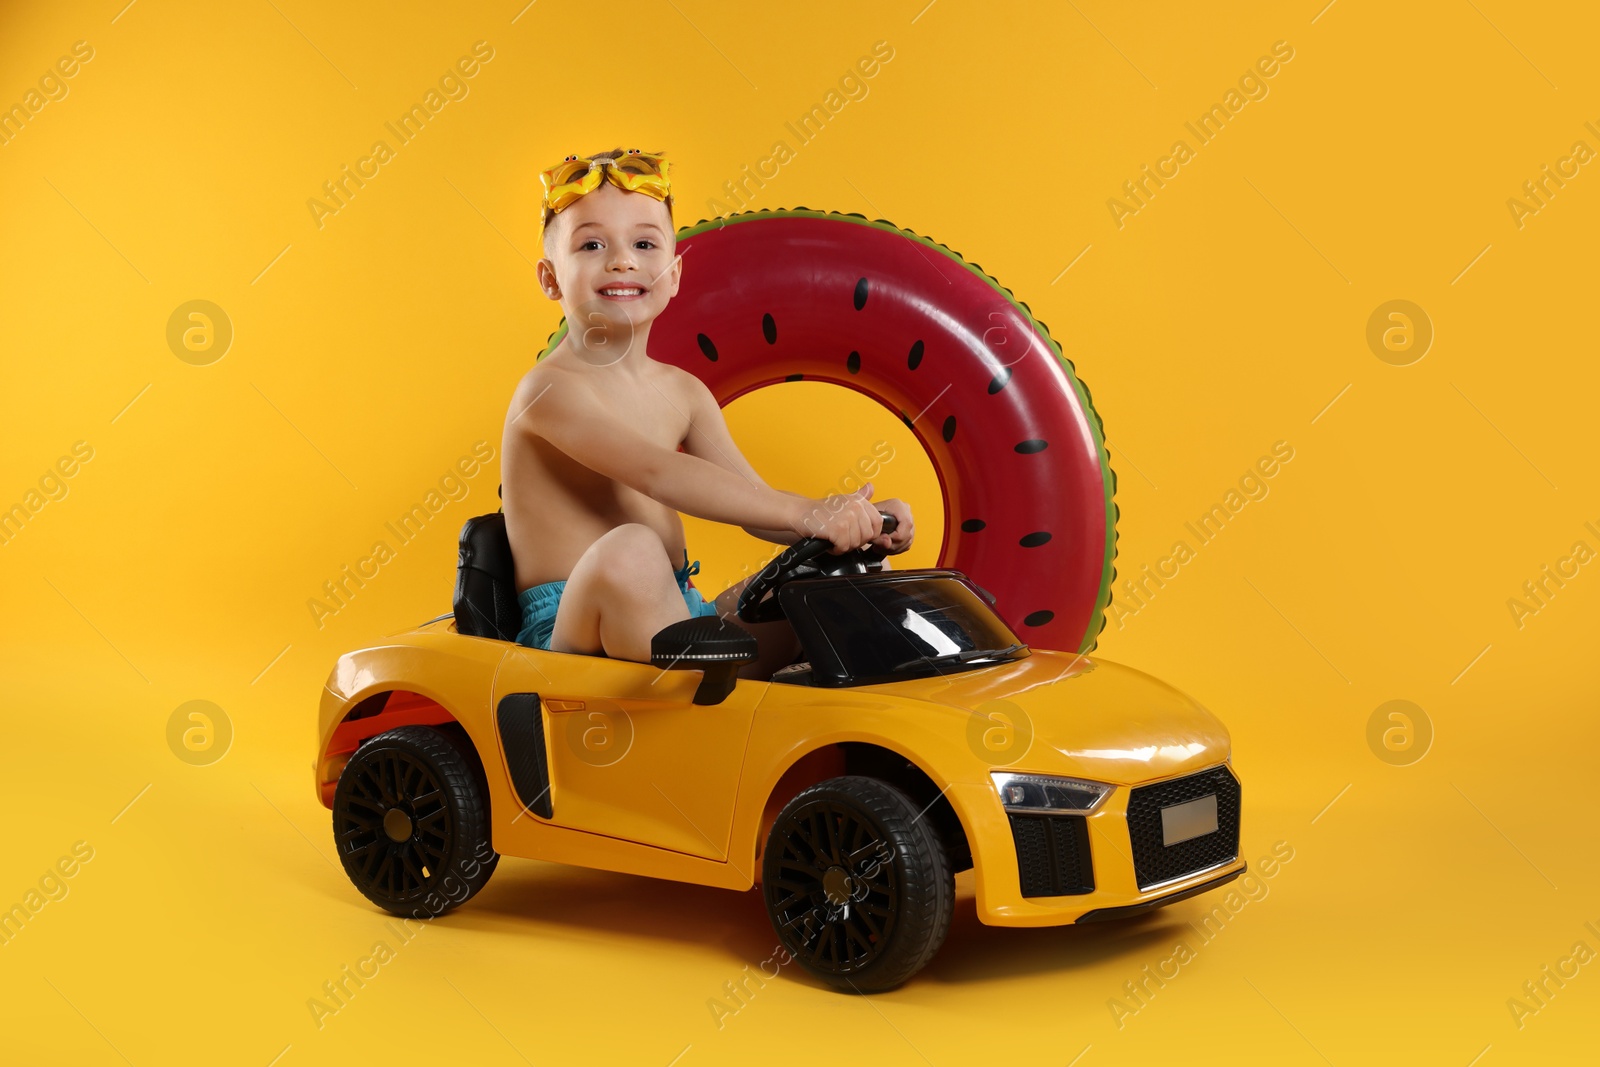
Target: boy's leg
[[620, 594]]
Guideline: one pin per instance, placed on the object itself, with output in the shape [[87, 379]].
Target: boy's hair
[[615, 153]]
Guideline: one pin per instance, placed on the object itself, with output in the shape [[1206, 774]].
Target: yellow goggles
[[575, 176]]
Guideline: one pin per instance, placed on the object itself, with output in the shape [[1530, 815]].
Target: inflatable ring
[[775, 296]]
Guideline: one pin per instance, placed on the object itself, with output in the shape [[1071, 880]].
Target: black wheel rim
[[835, 893], [393, 791]]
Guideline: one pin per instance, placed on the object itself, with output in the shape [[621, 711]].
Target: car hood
[[1061, 713]]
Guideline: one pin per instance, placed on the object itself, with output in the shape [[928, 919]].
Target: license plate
[[1184, 822]]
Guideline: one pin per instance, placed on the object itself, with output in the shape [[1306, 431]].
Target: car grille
[[1053, 854], [1155, 862]]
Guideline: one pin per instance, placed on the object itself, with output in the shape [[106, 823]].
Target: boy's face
[[610, 259]]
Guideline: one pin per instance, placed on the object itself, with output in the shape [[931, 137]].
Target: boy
[[594, 478]]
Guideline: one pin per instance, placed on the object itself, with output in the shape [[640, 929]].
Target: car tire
[[411, 822], [857, 885]]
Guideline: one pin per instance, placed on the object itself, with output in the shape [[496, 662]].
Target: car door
[[626, 753]]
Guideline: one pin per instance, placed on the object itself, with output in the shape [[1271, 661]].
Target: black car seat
[[486, 590]]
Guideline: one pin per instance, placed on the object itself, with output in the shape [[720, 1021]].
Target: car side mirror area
[[709, 643]]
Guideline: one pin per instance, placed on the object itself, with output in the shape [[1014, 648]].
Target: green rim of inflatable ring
[[1096, 425]]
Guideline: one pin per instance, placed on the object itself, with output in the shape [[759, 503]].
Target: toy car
[[917, 737]]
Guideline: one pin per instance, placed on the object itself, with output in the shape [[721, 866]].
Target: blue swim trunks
[[539, 605]]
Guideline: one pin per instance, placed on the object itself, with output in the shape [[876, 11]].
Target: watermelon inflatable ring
[[796, 294]]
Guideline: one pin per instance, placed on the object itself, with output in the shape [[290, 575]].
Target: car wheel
[[411, 822], [857, 884]]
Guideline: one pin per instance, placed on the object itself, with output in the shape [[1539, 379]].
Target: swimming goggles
[[576, 176]]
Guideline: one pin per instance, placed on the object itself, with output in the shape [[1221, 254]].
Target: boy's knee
[[629, 539], [632, 559]]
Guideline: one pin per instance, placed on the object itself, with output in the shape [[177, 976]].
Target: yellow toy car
[[917, 738]]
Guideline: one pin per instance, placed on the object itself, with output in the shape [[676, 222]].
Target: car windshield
[[924, 626]]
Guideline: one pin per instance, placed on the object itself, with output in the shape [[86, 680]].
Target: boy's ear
[[676, 272], [547, 279]]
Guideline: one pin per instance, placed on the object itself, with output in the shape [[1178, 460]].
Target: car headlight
[[1039, 792]]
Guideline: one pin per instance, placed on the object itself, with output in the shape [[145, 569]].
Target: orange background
[[1228, 313]]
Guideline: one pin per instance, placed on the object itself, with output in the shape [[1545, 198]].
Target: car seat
[[486, 585]]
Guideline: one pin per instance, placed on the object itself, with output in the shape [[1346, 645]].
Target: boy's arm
[[573, 418], [710, 440], [777, 537]]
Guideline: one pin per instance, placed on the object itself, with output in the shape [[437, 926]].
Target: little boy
[[593, 476]]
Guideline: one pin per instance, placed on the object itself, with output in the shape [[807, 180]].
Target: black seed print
[[998, 382], [861, 293], [973, 525], [949, 430], [1038, 618], [1036, 444], [707, 347], [915, 357], [793, 377], [1034, 540], [769, 329], [853, 363]]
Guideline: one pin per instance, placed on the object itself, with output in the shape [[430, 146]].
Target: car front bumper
[[1057, 869]]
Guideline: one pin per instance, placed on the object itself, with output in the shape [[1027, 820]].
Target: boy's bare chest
[[650, 408]]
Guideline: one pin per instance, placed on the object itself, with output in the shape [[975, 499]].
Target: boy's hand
[[900, 540], [848, 521]]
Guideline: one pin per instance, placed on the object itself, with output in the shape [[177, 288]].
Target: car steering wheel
[[759, 601]]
